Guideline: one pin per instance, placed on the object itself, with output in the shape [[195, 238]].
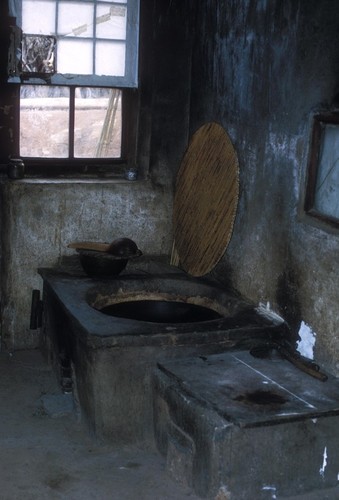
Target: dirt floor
[[46, 453]]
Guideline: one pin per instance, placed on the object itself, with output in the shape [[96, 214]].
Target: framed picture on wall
[[322, 189]]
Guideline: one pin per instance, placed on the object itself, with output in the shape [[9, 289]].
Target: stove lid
[[252, 392], [205, 201]]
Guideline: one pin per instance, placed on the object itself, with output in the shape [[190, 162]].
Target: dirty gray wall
[[262, 68], [40, 217]]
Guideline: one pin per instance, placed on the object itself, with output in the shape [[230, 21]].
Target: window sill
[[78, 180], [72, 180]]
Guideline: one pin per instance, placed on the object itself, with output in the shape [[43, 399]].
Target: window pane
[[111, 21], [327, 185], [75, 19], [75, 57], [110, 58], [44, 121], [97, 126], [34, 24], [38, 54]]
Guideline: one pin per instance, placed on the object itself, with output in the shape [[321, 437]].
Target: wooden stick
[[90, 245]]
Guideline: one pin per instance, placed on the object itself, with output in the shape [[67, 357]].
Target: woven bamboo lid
[[205, 201]]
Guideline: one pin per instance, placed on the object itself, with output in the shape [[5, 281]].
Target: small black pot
[[101, 265]]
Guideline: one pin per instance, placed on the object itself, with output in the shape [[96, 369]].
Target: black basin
[[161, 311], [102, 265]]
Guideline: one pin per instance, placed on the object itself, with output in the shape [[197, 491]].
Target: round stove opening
[[160, 311]]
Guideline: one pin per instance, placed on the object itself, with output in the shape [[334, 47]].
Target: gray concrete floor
[[45, 454]]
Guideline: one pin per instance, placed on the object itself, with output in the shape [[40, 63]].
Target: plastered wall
[[260, 68], [40, 217], [263, 70]]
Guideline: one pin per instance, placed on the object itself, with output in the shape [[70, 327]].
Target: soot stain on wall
[[287, 299]]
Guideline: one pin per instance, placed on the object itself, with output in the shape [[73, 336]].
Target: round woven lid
[[205, 201]]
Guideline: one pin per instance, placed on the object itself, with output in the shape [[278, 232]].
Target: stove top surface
[[250, 391]]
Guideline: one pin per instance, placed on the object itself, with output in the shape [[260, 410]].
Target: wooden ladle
[[122, 247], [90, 245]]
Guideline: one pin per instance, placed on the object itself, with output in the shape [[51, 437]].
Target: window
[[76, 63], [86, 41], [70, 122], [322, 191]]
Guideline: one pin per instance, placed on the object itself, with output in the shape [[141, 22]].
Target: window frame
[[129, 80], [98, 167], [134, 150], [319, 121]]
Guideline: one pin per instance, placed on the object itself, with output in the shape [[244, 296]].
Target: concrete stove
[[246, 427], [112, 357]]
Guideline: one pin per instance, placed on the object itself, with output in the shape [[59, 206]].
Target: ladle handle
[[89, 245]]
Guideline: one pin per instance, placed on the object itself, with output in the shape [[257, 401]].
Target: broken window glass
[[38, 54]]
